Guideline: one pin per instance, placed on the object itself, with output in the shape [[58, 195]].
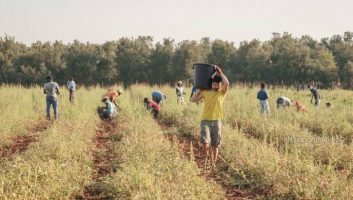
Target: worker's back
[[112, 94], [51, 88]]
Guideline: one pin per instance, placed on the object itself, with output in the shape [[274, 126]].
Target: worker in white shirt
[[71, 86]]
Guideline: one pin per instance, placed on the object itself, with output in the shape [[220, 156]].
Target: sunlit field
[[286, 155]]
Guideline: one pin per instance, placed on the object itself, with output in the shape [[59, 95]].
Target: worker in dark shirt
[[262, 96], [315, 94]]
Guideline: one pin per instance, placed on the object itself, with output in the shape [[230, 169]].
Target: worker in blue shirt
[[262, 96], [158, 97]]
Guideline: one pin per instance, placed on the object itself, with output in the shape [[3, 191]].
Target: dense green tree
[[82, 61], [253, 60], [133, 59], [159, 70], [107, 69], [342, 50], [282, 60], [186, 54], [10, 50], [222, 54], [349, 74]]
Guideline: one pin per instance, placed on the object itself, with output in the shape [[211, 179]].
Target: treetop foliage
[[282, 59]]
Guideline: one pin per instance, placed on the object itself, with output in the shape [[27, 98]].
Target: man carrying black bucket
[[212, 113]]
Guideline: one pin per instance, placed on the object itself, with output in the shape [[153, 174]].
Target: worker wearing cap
[[51, 89], [113, 96], [180, 92]]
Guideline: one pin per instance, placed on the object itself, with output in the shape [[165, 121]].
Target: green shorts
[[211, 132]]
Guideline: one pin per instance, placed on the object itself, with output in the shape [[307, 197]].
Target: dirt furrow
[[103, 160], [20, 144], [191, 149]]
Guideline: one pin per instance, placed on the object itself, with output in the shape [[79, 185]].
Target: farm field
[[287, 155]]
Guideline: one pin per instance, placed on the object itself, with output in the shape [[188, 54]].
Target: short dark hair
[[217, 79], [263, 85], [145, 100], [49, 78]]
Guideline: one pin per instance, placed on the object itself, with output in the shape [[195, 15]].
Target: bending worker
[[113, 96]]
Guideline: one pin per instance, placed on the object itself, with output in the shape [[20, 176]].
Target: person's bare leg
[[214, 156], [206, 150]]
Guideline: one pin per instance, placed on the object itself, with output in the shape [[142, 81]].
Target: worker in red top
[[152, 105], [113, 96]]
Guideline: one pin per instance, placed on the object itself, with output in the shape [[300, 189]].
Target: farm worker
[[108, 111], [283, 102], [71, 86], [152, 105], [51, 89], [193, 91], [262, 96], [300, 107], [212, 113], [158, 97], [113, 96], [180, 92], [314, 94]]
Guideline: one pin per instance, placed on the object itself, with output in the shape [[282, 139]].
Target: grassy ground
[[18, 111], [287, 155], [59, 161], [150, 166], [264, 153]]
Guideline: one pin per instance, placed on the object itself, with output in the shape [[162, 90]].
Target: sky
[[97, 21]]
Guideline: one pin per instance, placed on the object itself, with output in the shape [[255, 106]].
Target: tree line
[[283, 59]]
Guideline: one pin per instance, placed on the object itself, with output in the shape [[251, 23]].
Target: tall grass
[[284, 129], [287, 155], [150, 166], [60, 162], [271, 162], [19, 108]]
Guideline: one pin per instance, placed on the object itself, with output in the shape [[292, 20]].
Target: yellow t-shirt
[[212, 104]]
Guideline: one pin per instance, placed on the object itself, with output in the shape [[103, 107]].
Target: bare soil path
[[20, 144], [191, 149], [103, 162]]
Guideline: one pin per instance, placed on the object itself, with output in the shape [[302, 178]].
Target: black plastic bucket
[[203, 73]]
